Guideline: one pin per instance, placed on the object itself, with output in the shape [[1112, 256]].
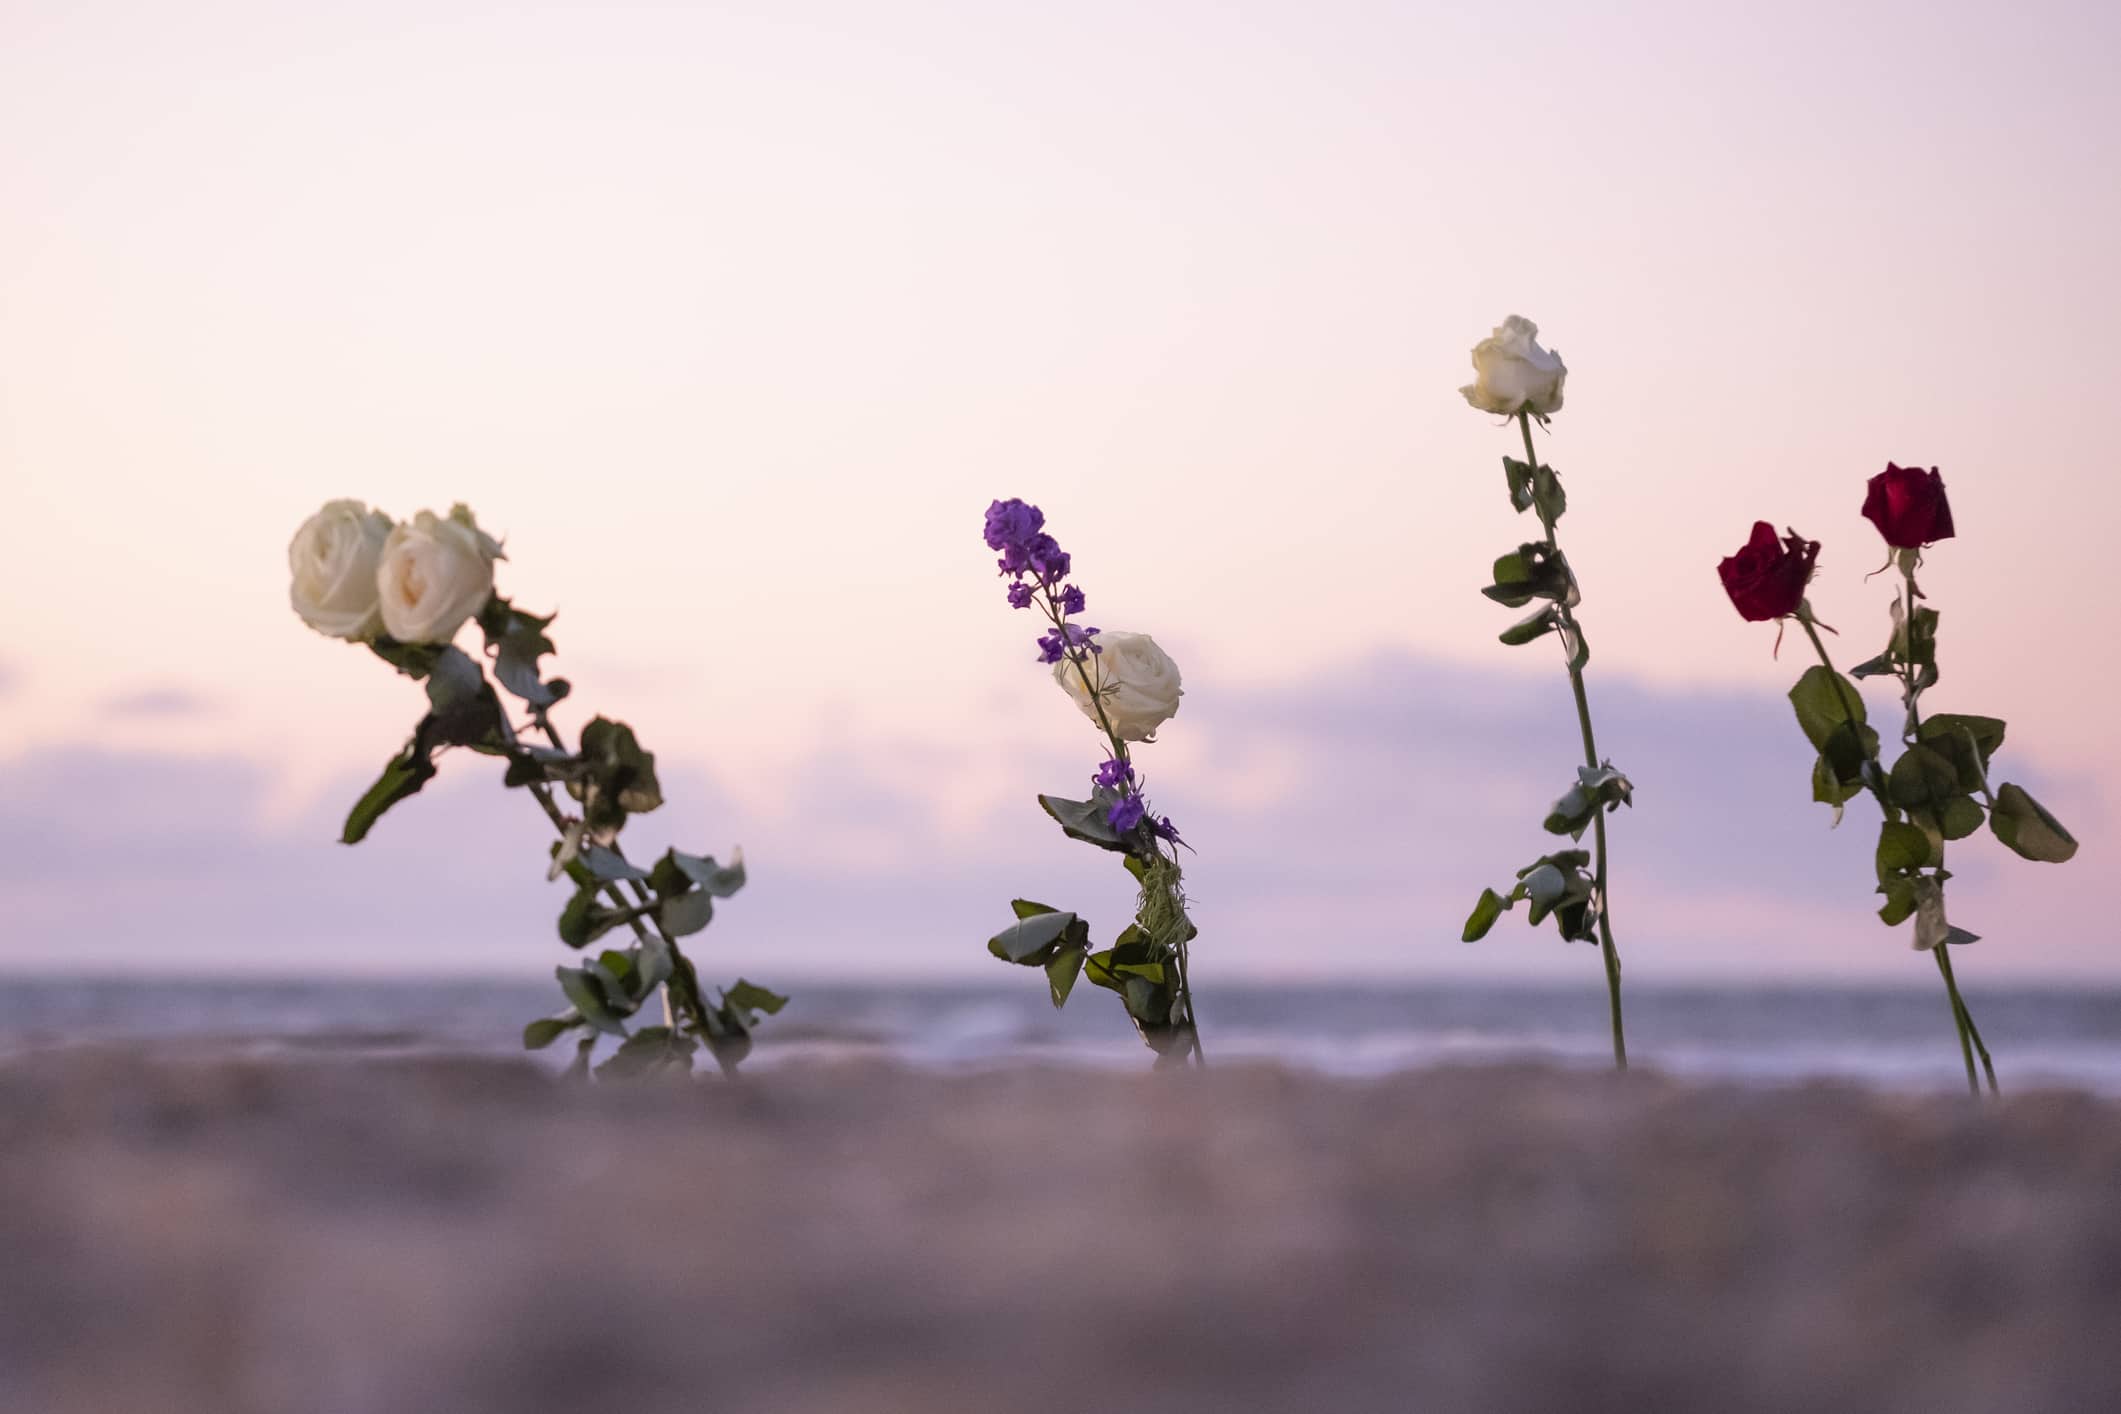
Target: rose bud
[[1909, 507], [1766, 578]]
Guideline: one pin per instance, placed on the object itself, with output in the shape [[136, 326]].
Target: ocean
[[1896, 1038]]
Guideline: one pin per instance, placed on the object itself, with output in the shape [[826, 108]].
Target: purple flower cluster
[[1036, 565], [1035, 562], [1130, 809]]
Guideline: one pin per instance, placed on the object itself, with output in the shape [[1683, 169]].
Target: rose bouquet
[[1127, 687], [1516, 378], [1937, 790], [404, 591]]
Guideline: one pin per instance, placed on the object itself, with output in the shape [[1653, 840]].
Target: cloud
[[10, 679], [1344, 823], [159, 701]]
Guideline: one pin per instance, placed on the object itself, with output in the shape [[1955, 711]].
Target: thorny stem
[[1573, 634]]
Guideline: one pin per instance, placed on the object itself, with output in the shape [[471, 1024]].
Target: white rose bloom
[[1511, 371], [332, 563], [1136, 680], [436, 573]]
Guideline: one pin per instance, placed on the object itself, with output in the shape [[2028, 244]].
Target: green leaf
[[2024, 825], [1880, 666], [677, 871], [1960, 817], [1490, 907], [617, 777], [409, 770], [589, 999], [1519, 476], [749, 996], [681, 915], [517, 640], [1033, 941], [583, 920], [652, 1050], [1544, 887], [1553, 502], [1899, 894], [548, 1029], [1571, 815], [1061, 972], [1528, 629], [1967, 742], [608, 865], [1829, 788], [1901, 847], [653, 966], [1085, 819], [1922, 779], [1825, 701], [1532, 571]]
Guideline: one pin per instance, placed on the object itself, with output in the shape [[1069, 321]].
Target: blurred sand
[[185, 1230]]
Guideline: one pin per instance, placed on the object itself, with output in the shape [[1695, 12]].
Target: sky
[[731, 319]]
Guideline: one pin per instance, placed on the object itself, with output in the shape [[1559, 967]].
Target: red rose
[[1766, 579], [1908, 506]]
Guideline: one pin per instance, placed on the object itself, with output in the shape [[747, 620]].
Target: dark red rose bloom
[[1908, 506], [1766, 579]]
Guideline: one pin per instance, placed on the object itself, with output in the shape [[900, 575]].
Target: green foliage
[[409, 770], [1902, 847], [1595, 788], [1486, 910], [548, 1029], [516, 641], [1531, 628], [1967, 742], [1535, 487], [1831, 715], [2024, 825], [648, 1052], [1038, 935], [1922, 779], [616, 777], [1085, 819], [1555, 885], [1061, 972], [1532, 571], [749, 997]]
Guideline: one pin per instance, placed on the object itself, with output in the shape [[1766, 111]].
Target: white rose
[[436, 573], [1511, 371], [331, 564], [1136, 680]]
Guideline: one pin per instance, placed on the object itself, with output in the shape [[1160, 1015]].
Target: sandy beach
[[188, 1229]]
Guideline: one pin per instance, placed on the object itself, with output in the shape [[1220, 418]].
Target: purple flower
[[1054, 646], [1071, 600], [1125, 814], [1114, 773], [1020, 595], [1011, 524], [1165, 830], [1046, 558]]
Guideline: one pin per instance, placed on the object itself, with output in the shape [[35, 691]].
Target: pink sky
[[733, 318]]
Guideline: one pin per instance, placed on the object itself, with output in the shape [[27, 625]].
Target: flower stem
[[1962, 1018], [684, 980], [1080, 657], [1572, 634]]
